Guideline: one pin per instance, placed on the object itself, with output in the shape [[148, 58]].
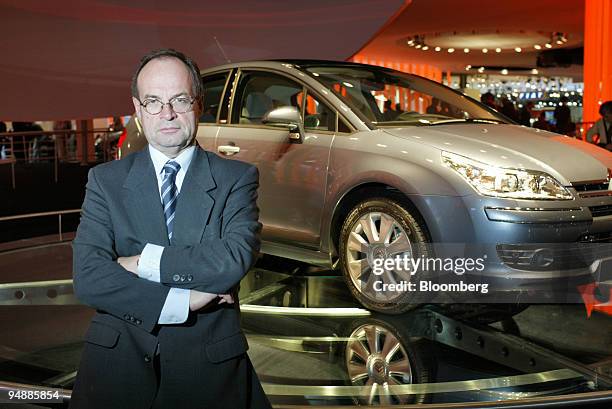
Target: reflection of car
[[359, 163]]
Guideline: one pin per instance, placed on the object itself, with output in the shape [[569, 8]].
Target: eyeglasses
[[180, 105]]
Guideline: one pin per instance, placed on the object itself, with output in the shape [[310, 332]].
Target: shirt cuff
[[176, 307], [148, 265]]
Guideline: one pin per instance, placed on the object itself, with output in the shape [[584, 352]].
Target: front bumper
[[528, 243]]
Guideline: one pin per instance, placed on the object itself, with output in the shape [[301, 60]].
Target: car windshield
[[391, 98]]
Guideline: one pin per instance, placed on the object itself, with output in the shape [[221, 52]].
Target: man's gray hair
[[194, 71]]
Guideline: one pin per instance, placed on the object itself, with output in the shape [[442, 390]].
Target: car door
[[214, 87], [292, 175]]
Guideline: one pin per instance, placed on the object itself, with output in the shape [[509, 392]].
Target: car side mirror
[[286, 117]]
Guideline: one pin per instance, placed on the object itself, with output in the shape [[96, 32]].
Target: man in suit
[[166, 235]]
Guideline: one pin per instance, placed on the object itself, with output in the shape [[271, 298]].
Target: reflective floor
[[311, 344]]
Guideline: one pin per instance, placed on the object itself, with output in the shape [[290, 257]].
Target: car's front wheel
[[374, 230]]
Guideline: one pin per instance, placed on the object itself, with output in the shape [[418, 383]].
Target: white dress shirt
[[176, 306]]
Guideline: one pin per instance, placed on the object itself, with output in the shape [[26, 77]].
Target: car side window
[[213, 90], [317, 115], [260, 92]]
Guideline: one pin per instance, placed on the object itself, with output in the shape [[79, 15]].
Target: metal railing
[[58, 213], [56, 146]]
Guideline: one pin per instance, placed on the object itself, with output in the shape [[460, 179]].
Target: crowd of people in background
[[36, 147], [599, 133], [61, 144]]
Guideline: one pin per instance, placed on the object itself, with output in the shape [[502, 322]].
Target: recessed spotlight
[[481, 69], [451, 50], [468, 67], [466, 50], [504, 72], [418, 46], [425, 48], [438, 49], [498, 50], [534, 72], [484, 50], [518, 49], [548, 45], [537, 47], [410, 42]]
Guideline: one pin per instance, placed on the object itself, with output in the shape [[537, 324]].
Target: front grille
[[592, 187], [596, 238], [546, 256], [599, 211]]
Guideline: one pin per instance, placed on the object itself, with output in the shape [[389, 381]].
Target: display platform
[[312, 345]]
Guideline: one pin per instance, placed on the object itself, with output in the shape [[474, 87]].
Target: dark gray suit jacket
[[216, 238]]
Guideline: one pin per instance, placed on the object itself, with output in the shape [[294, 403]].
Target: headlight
[[510, 183]]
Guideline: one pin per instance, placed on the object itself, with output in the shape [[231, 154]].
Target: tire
[[379, 354], [404, 234]]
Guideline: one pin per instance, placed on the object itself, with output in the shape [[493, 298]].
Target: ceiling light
[[558, 38], [468, 67], [498, 50], [537, 47], [438, 49], [518, 49], [451, 50], [504, 72], [425, 48], [481, 69], [410, 42], [534, 72], [484, 50], [418, 46], [466, 50], [548, 45]]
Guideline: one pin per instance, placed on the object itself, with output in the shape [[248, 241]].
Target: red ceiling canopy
[[67, 59]]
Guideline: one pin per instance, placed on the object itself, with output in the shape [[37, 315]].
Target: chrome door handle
[[228, 150]]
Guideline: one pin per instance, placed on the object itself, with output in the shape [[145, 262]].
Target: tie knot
[[171, 168]]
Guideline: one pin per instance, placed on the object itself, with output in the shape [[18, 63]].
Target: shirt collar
[[159, 159]]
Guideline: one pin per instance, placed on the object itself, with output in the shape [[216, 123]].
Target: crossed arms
[[107, 282]]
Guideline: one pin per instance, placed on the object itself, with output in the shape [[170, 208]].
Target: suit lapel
[[194, 203], [143, 203]]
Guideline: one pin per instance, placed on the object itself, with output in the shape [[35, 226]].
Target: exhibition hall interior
[[391, 203]]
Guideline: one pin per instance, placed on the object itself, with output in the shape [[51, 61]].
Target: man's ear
[[137, 107]]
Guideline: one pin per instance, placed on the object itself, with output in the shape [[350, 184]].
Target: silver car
[[360, 163]]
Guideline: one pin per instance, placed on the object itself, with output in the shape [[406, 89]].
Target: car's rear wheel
[[381, 228]]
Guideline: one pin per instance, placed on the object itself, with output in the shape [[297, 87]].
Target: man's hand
[[226, 298], [199, 299], [129, 263]]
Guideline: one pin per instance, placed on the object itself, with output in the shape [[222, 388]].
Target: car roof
[[300, 63]]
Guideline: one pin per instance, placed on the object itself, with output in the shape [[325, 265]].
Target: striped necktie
[[169, 194]]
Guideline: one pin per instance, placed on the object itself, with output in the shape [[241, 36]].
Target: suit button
[[176, 277], [189, 277], [126, 317], [147, 358], [183, 277], [138, 322], [132, 319]]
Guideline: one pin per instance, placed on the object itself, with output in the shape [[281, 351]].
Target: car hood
[[512, 146]]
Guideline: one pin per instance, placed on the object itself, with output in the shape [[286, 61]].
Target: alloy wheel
[[376, 235], [375, 358]]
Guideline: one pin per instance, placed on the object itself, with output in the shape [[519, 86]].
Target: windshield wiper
[[469, 121]]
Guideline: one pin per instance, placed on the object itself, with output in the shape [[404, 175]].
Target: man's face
[[165, 79]]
